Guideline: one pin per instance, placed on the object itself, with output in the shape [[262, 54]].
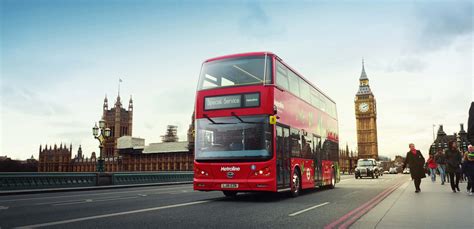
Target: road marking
[[114, 214], [356, 213], [80, 200], [94, 194], [308, 209], [93, 201], [3, 208]]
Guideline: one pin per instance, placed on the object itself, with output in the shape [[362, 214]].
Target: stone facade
[[54, 158], [347, 160], [120, 122]]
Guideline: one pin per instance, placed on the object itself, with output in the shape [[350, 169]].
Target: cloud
[[178, 101], [443, 22], [407, 64], [258, 24], [30, 102]]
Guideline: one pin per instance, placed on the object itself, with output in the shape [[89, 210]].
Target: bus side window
[[295, 143], [306, 147], [282, 76]]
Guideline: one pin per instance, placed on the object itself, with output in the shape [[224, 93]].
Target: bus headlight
[[265, 172], [200, 173]]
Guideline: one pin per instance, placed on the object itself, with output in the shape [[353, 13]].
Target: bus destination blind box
[[232, 101]]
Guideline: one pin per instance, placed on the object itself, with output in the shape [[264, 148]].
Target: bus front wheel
[[295, 183]]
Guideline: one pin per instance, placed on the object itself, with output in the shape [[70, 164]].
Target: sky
[[60, 58]]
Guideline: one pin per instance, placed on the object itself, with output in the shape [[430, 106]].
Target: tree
[[171, 134]]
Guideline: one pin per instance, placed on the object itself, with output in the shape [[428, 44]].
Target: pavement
[[436, 206], [178, 206]]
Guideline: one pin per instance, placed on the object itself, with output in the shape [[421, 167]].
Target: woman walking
[[440, 159], [432, 166], [415, 160], [453, 162], [468, 169]]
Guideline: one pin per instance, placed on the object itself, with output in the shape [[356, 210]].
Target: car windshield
[[235, 72], [230, 138], [365, 163]]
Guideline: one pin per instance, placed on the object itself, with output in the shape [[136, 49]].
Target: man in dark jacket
[[415, 161], [453, 165]]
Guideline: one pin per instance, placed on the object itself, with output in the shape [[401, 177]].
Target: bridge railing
[[23, 181], [143, 178]]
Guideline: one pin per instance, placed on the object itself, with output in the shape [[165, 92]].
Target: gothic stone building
[[442, 139], [54, 159], [173, 156], [119, 121]]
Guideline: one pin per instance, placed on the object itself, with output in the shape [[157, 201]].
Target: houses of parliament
[[121, 152]]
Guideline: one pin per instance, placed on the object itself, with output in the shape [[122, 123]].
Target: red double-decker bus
[[261, 126]]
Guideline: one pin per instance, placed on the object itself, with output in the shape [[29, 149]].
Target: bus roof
[[270, 54], [239, 55]]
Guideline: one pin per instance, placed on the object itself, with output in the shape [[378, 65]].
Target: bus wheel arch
[[295, 187]]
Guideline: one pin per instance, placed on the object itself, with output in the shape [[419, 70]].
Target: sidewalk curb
[[51, 190]]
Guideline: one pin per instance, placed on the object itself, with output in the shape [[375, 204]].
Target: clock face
[[363, 107]]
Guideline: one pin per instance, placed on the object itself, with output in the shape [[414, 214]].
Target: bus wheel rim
[[296, 183]]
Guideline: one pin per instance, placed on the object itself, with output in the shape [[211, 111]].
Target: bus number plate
[[229, 185]]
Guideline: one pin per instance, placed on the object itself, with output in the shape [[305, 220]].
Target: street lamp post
[[101, 136]]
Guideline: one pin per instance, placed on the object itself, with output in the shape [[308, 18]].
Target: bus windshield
[[229, 138], [235, 72]]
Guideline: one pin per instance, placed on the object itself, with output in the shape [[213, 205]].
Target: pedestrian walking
[[432, 167], [468, 169], [440, 159], [453, 165], [415, 161]]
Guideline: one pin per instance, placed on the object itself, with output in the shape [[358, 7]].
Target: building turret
[[441, 131], [79, 152], [106, 103]]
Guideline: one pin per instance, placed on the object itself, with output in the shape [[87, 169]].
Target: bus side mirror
[[273, 119]]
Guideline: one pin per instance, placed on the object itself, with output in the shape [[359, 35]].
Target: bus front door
[[283, 157], [318, 172]]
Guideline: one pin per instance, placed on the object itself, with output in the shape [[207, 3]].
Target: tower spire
[[130, 104], [363, 75], [106, 103], [118, 103]]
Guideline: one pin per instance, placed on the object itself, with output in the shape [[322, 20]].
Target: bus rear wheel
[[230, 193], [295, 183]]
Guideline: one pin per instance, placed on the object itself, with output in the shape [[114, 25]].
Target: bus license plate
[[229, 185]]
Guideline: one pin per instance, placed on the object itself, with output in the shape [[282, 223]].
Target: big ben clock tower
[[366, 119]]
